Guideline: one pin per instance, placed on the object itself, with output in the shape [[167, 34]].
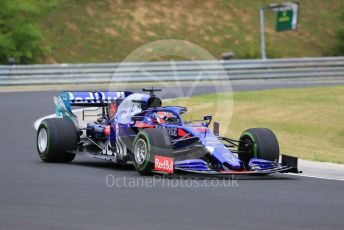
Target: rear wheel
[[258, 143], [55, 138], [147, 144]]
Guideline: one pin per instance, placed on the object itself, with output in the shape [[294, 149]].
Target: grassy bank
[[309, 122], [108, 30]]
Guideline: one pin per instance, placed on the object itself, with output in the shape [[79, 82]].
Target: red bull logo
[[163, 164]]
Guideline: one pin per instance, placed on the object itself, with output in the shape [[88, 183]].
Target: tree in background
[[339, 45], [20, 37]]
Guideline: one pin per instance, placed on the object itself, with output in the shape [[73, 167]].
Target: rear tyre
[[55, 137], [258, 143], [147, 144]]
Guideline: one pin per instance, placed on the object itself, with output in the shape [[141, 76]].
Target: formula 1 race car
[[135, 128]]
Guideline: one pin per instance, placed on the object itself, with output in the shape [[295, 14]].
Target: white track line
[[316, 177]]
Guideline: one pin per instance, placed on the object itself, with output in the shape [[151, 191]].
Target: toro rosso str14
[[135, 128]]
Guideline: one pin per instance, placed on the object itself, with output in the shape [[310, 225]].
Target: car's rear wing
[[93, 98], [66, 100]]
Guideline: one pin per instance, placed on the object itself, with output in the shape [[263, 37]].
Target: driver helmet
[[161, 116]]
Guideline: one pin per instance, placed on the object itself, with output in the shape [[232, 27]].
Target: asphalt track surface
[[37, 195]]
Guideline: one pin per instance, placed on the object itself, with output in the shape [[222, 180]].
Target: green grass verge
[[308, 122]]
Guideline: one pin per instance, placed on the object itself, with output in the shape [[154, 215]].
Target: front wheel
[[258, 143], [147, 144]]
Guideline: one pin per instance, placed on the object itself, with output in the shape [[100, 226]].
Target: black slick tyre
[[56, 137], [148, 143], [258, 143]]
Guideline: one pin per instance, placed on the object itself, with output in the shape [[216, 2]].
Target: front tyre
[[142, 155], [258, 143], [147, 144], [55, 138]]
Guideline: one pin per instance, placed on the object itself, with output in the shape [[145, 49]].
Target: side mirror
[[137, 118], [207, 120], [207, 117]]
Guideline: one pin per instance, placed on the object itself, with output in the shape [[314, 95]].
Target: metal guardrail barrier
[[181, 70]]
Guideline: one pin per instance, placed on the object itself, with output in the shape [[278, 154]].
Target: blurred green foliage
[[20, 35]]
